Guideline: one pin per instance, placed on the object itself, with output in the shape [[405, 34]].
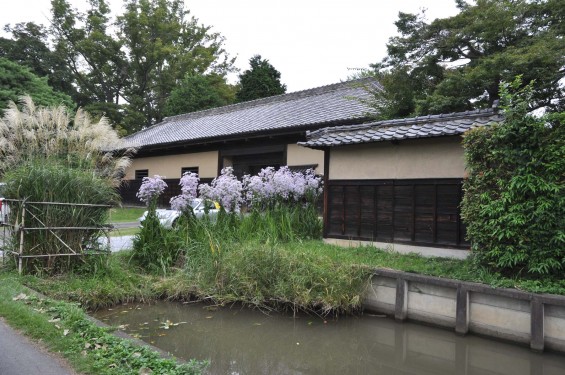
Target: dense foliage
[[126, 67], [17, 80], [197, 92], [259, 81], [514, 202], [29, 47], [456, 63], [51, 181]]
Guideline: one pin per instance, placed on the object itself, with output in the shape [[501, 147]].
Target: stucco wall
[[417, 158], [298, 155], [170, 166]]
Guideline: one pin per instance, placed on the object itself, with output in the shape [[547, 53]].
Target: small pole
[[22, 229]]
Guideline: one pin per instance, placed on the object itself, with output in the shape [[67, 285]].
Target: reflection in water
[[243, 341]]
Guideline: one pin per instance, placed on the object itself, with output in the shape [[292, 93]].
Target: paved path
[[20, 356], [118, 243]]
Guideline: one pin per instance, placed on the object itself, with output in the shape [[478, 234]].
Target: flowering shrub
[[151, 188], [189, 185], [283, 185], [225, 189]]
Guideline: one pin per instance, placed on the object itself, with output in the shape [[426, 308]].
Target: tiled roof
[[312, 108], [389, 130]]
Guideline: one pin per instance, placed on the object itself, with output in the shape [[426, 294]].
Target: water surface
[[243, 341]]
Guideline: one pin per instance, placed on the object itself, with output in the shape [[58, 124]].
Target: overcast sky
[[311, 42]]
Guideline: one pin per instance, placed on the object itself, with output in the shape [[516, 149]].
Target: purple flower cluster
[[189, 185], [225, 189], [271, 186], [151, 187]]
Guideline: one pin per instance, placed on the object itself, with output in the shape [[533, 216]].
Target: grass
[[308, 275], [64, 328], [112, 281], [126, 214]]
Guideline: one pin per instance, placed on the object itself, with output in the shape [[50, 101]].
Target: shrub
[[514, 202]]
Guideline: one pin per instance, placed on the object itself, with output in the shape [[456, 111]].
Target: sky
[[310, 42]]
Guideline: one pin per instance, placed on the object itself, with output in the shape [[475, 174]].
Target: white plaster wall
[[416, 158], [298, 155], [170, 166]]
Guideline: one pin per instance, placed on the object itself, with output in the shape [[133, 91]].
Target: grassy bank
[[64, 328], [306, 275]]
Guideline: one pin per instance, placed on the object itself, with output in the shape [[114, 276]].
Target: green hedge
[[514, 201]]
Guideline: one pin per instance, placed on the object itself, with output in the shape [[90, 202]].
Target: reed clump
[[63, 168]]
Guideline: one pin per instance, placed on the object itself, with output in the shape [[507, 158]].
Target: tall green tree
[[93, 55], [457, 63], [127, 67], [259, 81], [198, 92], [163, 45], [17, 80], [29, 46]]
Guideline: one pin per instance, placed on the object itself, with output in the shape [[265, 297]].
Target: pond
[[243, 341]]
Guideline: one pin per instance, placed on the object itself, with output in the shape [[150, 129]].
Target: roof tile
[[418, 127]]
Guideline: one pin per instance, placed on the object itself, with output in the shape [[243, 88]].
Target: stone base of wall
[[507, 314], [403, 249]]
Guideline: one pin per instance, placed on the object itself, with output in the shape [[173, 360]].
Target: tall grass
[[54, 133], [257, 259], [274, 275], [50, 181], [47, 154]]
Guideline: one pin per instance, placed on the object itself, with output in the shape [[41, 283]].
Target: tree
[[198, 92], [94, 57], [164, 45], [457, 63], [29, 47], [260, 81], [126, 68], [514, 201], [17, 81]]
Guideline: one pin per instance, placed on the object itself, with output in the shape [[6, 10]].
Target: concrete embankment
[[537, 320]]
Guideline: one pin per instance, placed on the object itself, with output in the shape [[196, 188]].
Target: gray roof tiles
[[314, 108], [417, 127]]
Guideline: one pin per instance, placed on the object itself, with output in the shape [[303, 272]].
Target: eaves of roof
[[400, 129]]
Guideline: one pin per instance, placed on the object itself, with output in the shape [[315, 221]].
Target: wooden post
[[22, 230]]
